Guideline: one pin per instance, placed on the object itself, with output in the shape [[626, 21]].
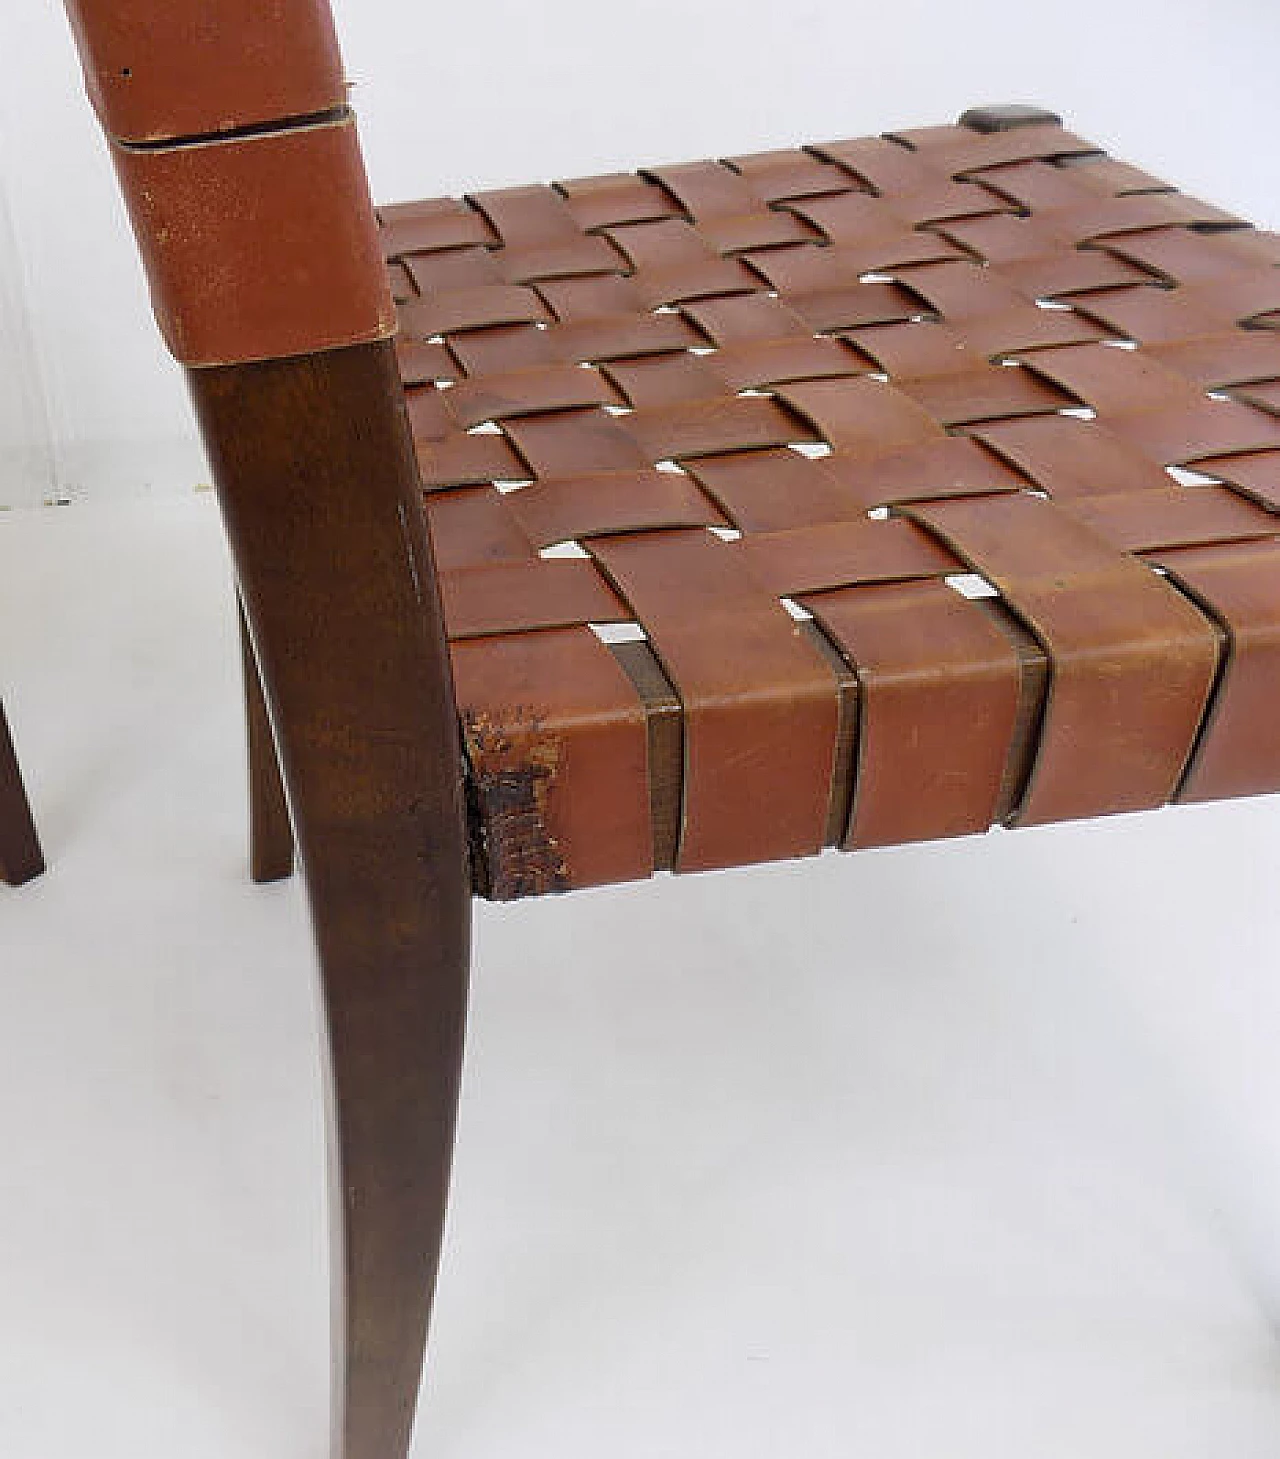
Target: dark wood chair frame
[[358, 690]]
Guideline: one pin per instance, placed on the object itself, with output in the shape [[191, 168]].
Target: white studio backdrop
[[452, 97]]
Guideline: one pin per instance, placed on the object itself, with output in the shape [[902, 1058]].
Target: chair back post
[[238, 159]]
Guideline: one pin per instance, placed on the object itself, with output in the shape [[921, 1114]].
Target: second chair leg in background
[[20, 856]]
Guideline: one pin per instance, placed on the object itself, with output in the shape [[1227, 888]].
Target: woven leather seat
[[870, 492]]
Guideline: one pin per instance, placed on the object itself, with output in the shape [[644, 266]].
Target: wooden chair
[[20, 856], [870, 492]]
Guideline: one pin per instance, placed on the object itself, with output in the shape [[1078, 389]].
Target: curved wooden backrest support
[[239, 163]]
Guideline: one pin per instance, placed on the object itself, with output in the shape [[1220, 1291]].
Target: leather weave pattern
[[873, 491]]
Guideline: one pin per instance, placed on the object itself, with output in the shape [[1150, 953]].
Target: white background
[[968, 1151], [491, 92]]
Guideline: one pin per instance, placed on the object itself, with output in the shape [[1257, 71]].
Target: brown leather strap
[[261, 247], [1173, 516], [242, 174], [1255, 474], [564, 508], [158, 70], [527, 595], [761, 705], [559, 762], [1239, 752], [1133, 661], [939, 696]]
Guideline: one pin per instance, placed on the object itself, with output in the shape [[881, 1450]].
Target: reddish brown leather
[[527, 596], [939, 697], [242, 174], [1255, 473], [815, 559], [761, 708], [1173, 516], [596, 506], [159, 70], [839, 376], [1240, 586], [259, 247], [1133, 661], [558, 754]]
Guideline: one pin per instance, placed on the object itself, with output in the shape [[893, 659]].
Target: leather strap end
[[259, 247], [157, 71]]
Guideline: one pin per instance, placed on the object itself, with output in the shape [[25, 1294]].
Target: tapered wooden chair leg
[[340, 598], [20, 856], [270, 830], [395, 1058]]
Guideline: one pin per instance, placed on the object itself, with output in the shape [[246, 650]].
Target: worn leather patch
[[259, 247]]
